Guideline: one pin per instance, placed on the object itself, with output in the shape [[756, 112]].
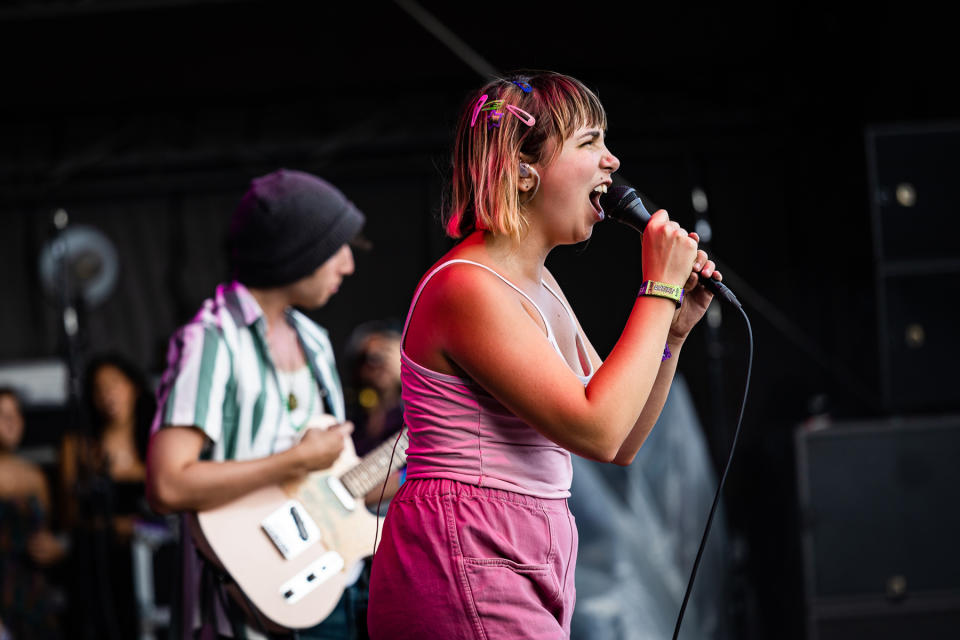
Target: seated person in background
[[102, 475], [28, 607]]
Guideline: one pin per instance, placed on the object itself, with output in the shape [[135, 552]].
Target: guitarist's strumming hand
[[320, 448]]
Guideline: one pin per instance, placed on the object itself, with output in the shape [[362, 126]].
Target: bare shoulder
[[460, 308], [30, 471], [463, 286], [21, 478], [457, 298]]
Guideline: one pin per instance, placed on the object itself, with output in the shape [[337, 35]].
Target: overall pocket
[[510, 564]]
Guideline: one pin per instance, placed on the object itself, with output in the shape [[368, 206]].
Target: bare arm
[[655, 400], [696, 301], [69, 452], [651, 410], [373, 497], [43, 547], [178, 481], [465, 319], [493, 339]]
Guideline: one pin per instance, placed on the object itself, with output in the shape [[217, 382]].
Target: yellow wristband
[[661, 290]]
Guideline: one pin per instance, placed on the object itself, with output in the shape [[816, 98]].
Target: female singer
[[500, 383]]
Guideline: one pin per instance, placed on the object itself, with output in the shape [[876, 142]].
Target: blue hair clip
[[523, 85]]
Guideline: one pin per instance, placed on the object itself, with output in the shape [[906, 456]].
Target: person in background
[[373, 398], [102, 472], [28, 603], [119, 406], [373, 391], [250, 379]]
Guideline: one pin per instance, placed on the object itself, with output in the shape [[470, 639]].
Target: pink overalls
[[479, 543]]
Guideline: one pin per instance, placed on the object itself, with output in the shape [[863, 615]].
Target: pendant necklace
[[293, 402]]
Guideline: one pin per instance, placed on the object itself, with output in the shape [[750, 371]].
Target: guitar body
[[293, 591]]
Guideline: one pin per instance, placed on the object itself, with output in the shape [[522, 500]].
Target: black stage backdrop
[[147, 120]]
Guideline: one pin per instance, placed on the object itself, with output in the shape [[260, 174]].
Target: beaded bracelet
[[666, 353], [661, 290]]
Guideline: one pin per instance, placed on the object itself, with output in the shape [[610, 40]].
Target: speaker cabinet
[[880, 507], [912, 173]]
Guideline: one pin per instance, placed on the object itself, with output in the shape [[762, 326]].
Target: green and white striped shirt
[[220, 377]]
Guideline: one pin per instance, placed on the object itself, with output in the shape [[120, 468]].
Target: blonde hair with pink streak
[[486, 160]]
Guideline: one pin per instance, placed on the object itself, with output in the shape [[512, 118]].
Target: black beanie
[[288, 224]]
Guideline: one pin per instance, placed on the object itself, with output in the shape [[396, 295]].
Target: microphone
[[625, 205]]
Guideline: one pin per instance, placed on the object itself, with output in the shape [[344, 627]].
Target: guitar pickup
[[315, 574], [341, 493], [291, 529]]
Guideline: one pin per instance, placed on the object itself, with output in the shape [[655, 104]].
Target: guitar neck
[[372, 469]]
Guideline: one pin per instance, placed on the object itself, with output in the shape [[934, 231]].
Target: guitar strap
[[212, 586]]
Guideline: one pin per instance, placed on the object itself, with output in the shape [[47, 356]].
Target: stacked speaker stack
[[915, 186], [880, 499]]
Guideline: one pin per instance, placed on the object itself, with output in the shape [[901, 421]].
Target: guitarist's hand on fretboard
[[319, 448]]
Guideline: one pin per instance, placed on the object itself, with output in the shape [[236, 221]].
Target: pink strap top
[[460, 432]]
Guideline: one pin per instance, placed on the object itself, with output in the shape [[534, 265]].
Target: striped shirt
[[221, 379]]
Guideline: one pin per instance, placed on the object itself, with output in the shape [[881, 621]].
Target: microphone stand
[[93, 493]]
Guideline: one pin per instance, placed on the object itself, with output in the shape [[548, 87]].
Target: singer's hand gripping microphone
[[623, 204]]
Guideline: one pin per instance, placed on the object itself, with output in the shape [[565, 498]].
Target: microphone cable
[[626, 205], [383, 488], [723, 479]]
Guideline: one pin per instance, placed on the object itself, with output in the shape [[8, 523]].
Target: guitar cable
[[383, 487], [723, 478]]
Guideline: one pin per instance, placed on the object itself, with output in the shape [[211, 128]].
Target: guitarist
[[249, 373]]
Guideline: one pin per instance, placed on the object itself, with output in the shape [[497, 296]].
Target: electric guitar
[[289, 549]]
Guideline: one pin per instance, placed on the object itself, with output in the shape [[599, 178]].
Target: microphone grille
[[616, 198]]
